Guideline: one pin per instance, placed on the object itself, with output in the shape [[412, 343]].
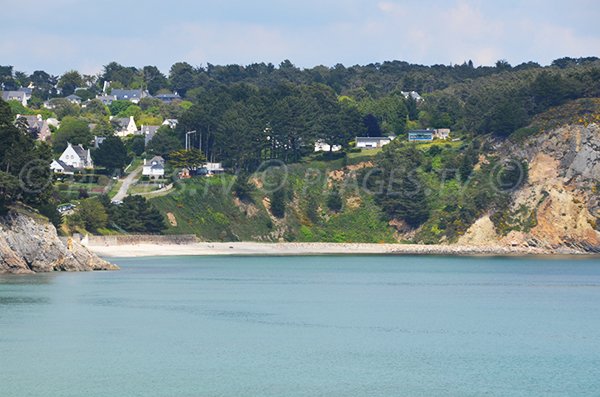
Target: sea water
[[305, 326]]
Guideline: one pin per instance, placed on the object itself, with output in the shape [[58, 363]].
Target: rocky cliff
[[29, 244], [559, 204]]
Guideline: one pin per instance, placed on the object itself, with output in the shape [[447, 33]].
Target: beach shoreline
[[306, 249]]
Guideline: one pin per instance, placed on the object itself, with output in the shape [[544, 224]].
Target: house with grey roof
[[148, 132], [60, 167], [124, 126], [168, 98], [106, 99], [129, 95], [75, 99], [77, 157], [155, 168], [18, 96], [36, 126]]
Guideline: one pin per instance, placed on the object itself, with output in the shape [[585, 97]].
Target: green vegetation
[[256, 118]]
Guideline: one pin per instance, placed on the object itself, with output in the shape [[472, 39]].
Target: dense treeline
[[24, 168], [244, 115]]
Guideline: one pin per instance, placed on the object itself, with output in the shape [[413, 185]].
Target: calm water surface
[[305, 326]]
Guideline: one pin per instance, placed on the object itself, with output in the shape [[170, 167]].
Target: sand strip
[[283, 249]]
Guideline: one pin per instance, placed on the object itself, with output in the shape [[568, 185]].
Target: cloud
[[308, 33]]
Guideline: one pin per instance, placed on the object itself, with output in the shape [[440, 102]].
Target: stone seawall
[[135, 239]]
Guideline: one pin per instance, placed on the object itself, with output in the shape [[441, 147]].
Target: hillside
[[553, 202]]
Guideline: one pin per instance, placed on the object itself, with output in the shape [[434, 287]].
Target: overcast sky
[[60, 35]]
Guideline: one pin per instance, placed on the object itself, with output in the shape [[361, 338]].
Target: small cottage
[[155, 168], [366, 142]]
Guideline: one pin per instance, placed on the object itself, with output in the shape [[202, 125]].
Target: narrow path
[[127, 182], [157, 193]]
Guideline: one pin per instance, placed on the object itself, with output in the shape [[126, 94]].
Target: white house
[[412, 94], [442, 133], [365, 142], [154, 168], [172, 123], [322, 146], [76, 157], [124, 126], [19, 96], [214, 168]]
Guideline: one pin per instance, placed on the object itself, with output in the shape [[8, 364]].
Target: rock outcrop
[[560, 202], [29, 244]]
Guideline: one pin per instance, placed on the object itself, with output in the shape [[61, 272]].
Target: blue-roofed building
[[420, 135]]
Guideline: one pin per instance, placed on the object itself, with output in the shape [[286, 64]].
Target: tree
[[190, 159], [25, 165], [181, 77], [334, 200], [401, 191], [242, 187], [111, 154], [136, 214], [96, 107], [92, 214], [371, 125], [119, 106], [63, 108], [278, 202], [9, 190], [154, 79], [72, 130], [163, 142], [137, 144], [69, 82]]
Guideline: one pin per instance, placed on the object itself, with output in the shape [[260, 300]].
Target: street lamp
[[187, 139]]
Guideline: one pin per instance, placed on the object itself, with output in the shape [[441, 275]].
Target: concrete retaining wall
[[141, 239]]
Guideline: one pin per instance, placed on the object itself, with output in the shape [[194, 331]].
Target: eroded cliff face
[[31, 245], [559, 205]]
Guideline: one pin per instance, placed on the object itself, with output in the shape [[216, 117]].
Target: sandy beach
[[283, 249]]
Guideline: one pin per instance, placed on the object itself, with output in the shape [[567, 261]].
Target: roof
[[121, 121], [421, 131], [64, 166], [80, 151], [168, 96], [372, 138], [128, 94], [74, 97], [149, 129], [7, 95], [157, 159]]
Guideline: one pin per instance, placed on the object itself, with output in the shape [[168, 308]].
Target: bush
[[278, 202], [334, 200]]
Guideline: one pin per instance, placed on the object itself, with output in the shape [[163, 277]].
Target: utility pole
[[187, 139]]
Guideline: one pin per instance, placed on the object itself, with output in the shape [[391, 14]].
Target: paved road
[[128, 181]]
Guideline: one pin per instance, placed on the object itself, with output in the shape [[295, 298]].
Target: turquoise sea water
[[305, 326]]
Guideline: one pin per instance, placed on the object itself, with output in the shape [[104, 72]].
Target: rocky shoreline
[[30, 244]]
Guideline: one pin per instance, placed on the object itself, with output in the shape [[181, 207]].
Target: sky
[[61, 35]]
